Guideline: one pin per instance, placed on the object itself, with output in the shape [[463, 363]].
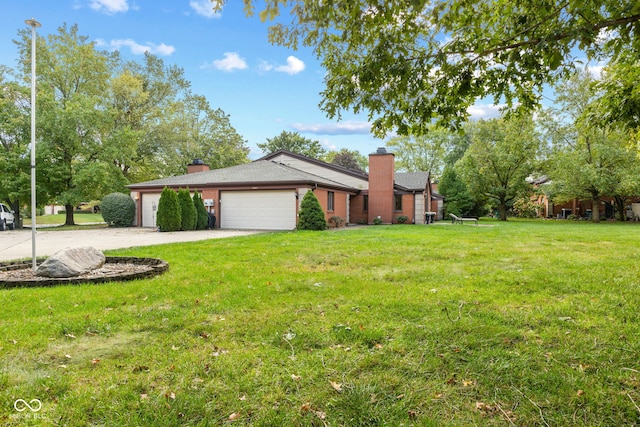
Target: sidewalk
[[16, 244]]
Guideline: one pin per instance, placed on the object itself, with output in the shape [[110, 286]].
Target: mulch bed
[[20, 274]]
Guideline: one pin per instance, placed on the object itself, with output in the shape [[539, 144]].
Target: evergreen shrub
[[118, 210], [311, 216], [168, 217], [202, 215], [188, 214]]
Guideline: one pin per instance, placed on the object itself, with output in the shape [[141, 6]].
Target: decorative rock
[[71, 262]]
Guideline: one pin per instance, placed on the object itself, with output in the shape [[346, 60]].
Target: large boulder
[[71, 262]]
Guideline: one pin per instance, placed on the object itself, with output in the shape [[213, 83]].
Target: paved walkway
[[16, 244]]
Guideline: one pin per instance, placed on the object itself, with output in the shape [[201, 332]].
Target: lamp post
[[33, 24]]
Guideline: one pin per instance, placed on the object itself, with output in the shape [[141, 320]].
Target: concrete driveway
[[16, 244]]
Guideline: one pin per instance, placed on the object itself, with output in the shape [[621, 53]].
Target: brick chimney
[[197, 166], [381, 180]]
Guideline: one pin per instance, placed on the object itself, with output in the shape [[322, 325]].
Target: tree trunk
[[620, 206], [502, 210], [69, 215], [595, 209], [15, 207]]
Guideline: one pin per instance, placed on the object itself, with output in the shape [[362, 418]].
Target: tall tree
[[72, 76], [350, 159], [194, 130], [104, 122], [502, 155], [14, 142], [590, 159], [457, 199], [408, 62], [422, 152], [294, 142]]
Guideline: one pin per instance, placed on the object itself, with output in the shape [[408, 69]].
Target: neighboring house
[[577, 208], [266, 194]]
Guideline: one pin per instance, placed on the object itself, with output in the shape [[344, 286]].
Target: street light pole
[[33, 24]]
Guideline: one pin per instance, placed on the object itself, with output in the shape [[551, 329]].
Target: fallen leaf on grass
[[170, 395], [580, 392], [308, 408], [68, 336], [468, 383], [295, 377], [233, 417], [95, 361], [336, 386], [144, 396]]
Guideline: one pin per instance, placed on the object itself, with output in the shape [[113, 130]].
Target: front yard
[[520, 323]]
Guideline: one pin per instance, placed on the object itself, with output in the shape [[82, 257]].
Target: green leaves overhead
[[410, 63]]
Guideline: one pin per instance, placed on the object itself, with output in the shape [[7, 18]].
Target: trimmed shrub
[[402, 219], [201, 212], [118, 210], [336, 221], [188, 214], [168, 217], [311, 216]]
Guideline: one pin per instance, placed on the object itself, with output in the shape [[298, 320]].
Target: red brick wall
[[381, 176], [357, 214], [339, 203], [408, 208]]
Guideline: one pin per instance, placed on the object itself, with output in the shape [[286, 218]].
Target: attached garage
[[259, 210]]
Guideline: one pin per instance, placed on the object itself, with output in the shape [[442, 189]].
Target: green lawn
[[519, 323], [59, 219]]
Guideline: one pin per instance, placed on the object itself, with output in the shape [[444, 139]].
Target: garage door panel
[[260, 210]]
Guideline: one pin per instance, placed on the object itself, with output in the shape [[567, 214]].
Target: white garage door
[[149, 209], [259, 210]]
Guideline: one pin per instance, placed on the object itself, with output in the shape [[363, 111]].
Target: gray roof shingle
[[257, 172], [412, 180]]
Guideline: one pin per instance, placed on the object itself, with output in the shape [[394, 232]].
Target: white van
[[7, 219]]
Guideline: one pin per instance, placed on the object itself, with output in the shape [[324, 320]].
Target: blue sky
[[264, 88]]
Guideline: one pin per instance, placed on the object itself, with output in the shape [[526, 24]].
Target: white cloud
[[137, 48], [341, 128], [484, 111], [294, 66], [109, 6], [328, 145], [264, 67], [232, 61], [204, 8]]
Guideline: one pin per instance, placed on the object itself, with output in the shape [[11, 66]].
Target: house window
[[330, 200], [398, 202], [365, 204]]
